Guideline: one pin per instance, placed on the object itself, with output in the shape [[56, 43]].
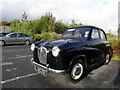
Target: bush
[[115, 46], [114, 42], [37, 37], [46, 36]]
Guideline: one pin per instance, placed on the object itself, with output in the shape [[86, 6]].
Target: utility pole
[[119, 24], [24, 17], [119, 35]]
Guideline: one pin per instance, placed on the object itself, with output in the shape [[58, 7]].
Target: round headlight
[[32, 47], [55, 51]]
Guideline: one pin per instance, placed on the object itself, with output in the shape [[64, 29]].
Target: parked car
[[16, 38], [79, 49], [3, 34]]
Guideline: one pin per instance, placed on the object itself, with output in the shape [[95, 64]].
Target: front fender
[[79, 57]]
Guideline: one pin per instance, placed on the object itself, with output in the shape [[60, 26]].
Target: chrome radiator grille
[[42, 55]]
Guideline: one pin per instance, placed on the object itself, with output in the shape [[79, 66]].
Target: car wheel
[[107, 59], [27, 42], [77, 71], [2, 43]]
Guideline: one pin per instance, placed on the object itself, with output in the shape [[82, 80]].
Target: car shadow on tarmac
[[117, 79], [14, 45]]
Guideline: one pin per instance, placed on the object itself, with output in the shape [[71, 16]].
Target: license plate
[[42, 71]]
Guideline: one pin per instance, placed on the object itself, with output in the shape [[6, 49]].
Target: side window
[[26, 35], [95, 34], [102, 35], [13, 35], [77, 34], [82, 32], [20, 35]]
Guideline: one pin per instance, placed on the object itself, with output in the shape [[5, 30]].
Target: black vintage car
[[78, 50]]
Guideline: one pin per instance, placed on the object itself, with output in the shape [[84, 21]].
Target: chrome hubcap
[[27, 42], [77, 71], [107, 58]]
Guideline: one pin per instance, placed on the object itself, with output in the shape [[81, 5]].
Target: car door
[[104, 43], [20, 38], [96, 47], [11, 38]]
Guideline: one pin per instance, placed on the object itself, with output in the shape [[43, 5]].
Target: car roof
[[16, 33], [3, 32], [85, 26]]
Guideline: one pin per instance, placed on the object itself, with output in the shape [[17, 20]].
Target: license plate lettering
[[42, 71]]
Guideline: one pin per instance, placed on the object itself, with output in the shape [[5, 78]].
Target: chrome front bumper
[[47, 68]]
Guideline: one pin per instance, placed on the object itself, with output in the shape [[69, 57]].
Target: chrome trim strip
[[47, 68]]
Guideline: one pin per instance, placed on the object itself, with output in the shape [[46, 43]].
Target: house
[[4, 28]]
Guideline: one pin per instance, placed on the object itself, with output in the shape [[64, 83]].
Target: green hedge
[[46, 36], [114, 42]]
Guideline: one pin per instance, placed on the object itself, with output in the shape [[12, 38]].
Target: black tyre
[[27, 42], [77, 71], [107, 58]]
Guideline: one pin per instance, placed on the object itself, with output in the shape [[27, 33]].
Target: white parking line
[[20, 77], [16, 46], [19, 57], [6, 63], [14, 50]]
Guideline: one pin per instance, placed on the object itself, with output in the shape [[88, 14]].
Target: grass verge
[[116, 58]]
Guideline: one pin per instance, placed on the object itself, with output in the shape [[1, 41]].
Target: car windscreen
[[76, 33], [11, 35], [3, 34]]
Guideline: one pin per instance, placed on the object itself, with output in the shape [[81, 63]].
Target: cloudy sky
[[101, 13]]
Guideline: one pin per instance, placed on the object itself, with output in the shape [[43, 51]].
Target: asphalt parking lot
[[18, 72]]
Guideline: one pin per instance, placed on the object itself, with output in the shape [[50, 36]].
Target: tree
[[36, 26], [74, 24], [25, 26], [48, 22], [60, 27], [15, 25]]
